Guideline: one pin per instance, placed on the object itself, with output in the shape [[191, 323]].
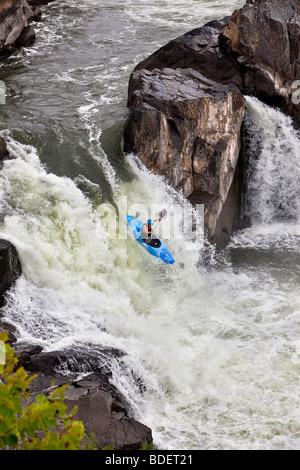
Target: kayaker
[[147, 228]]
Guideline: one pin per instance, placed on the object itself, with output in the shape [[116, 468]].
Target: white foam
[[214, 351], [187, 13], [275, 147]]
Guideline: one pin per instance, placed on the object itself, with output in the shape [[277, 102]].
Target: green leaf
[[11, 440]]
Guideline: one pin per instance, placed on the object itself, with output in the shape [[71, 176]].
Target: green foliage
[[147, 446], [42, 425]]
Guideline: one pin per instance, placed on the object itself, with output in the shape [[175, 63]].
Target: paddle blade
[[162, 213]]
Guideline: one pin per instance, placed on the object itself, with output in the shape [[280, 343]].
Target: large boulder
[[16, 29], [197, 49], [103, 410], [257, 51], [262, 39], [105, 417], [187, 128]]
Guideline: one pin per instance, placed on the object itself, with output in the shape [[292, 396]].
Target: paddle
[[161, 215]]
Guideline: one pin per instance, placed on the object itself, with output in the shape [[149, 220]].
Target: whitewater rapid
[[212, 343]]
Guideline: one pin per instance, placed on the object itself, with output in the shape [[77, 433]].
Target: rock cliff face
[[187, 128], [257, 51], [185, 121]]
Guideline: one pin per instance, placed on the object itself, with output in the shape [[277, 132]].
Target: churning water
[[214, 342]]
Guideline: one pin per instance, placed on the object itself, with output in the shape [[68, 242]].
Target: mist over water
[[214, 340]]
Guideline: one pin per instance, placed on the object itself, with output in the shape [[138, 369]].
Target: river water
[[212, 343]]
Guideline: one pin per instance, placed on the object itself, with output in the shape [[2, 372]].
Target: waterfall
[[272, 166]]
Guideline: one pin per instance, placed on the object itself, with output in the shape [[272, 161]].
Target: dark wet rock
[[105, 416], [9, 328], [262, 39], [184, 122], [10, 266], [199, 50], [36, 3], [27, 351], [16, 30], [3, 151], [101, 407], [104, 411], [72, 361]]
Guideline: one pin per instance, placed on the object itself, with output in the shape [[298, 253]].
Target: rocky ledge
[[104, 411], [101, 407], [256, 50]]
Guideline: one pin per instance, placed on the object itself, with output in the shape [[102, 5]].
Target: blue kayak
[[154, 245]]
